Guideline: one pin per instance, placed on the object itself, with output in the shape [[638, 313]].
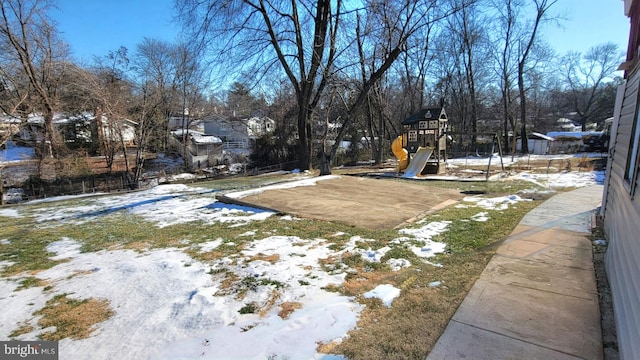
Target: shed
[[537, 143], [200, 150]]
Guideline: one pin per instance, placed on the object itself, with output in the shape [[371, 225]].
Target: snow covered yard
[[182, 275]]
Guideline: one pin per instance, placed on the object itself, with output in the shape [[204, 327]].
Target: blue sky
[[94, 27]]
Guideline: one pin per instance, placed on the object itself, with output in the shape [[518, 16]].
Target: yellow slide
[[401, 153]]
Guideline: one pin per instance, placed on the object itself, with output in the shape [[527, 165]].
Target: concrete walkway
[[537, 297]]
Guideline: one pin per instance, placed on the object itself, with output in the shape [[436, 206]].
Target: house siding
[[622, 226]]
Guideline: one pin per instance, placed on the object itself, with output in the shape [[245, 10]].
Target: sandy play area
[[359, 201]]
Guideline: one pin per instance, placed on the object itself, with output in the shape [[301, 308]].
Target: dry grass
[[273, 258], [228, 282], [410, 328], [365, 281], [274, 296], [412, 325], [138, 246], [582, 163], [24, 328], [207, 255], [287, 308], [72, 318]]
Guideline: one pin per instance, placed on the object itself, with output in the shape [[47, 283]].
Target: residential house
[[621, 199], [238, 133], [80, 128], [201, 150], [567, 125]]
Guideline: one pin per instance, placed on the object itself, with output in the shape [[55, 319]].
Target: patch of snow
[[563, 179], [435, 283], [423, 235], [481, 217], [496, 203], [64, 249], [3, 264], [600, 242], [174, 308], [287, 185], [397, 264], [5, 242], [9, 213], [183, 176], [288, 218], [164, 205], [210, 245], [427, 231], [373, 255], [385, 292]]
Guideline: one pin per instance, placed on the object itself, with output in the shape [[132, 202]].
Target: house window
[[413, 135], [631, 169], [423, 125]]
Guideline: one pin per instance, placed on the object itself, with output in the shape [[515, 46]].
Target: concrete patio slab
[[537, 297], [561, 322], [557, 279], [468, 342]]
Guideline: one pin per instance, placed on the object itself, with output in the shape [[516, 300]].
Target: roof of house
[[61, 118], [540, 136], [199, 137], [425, 114], [574, 134]]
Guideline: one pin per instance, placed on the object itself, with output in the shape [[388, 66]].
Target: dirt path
[[359, 201]]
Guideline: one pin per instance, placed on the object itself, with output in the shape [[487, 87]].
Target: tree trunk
[[523, 110], [325, 163]]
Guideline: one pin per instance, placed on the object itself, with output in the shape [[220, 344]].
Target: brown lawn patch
[[228, 282], [273, 298], [412, 325], [207, 256], [364, 281], [288, 307], [138, 245], [72, 318], [24, 328], [268, 258]]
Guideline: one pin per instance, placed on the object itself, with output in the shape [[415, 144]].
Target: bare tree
[[297, 37], [32, 40], [109, 91], [585, 79], [307, 42], [526, 44], [467, 28], [191, 79], [505, 31], [391, 24]]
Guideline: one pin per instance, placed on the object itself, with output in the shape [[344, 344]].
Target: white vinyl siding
[[622, 225]]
